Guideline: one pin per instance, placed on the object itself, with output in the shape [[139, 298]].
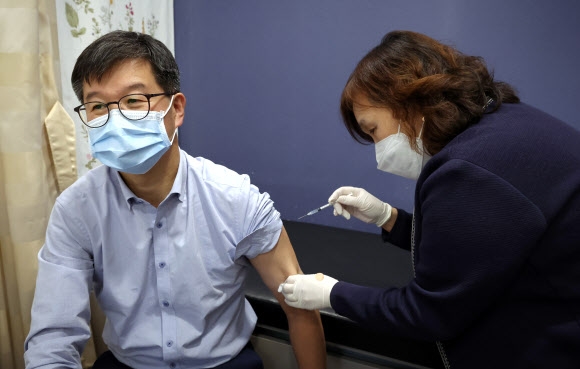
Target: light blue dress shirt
[[169, 279]]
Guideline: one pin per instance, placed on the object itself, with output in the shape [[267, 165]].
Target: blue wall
[[263, 80]]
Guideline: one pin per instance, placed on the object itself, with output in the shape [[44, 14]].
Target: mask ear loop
[[173, 138], [169, 108], [163, 116]]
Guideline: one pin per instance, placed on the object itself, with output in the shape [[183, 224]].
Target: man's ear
[[179, 108]]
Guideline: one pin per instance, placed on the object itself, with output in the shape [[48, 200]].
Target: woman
[[495, 232]]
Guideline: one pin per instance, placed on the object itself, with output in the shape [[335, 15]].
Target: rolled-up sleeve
[[261, 225]]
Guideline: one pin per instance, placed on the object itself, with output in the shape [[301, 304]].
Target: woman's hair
[[418, 77], [115, 47]]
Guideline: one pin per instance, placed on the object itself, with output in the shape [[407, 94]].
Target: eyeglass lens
[[137, 105]]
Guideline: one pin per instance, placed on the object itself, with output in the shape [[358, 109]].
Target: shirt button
[[169, 343], [162, 265], [166, 304], [159, 225]]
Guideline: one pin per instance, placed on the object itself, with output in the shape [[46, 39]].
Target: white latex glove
[[308, 291], [361, 204]]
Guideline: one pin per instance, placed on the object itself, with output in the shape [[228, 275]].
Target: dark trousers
[[246, 359]]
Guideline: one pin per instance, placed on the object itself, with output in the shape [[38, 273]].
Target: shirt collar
[[179, 185]]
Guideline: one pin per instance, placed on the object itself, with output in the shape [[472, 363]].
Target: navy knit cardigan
[[496, 253]]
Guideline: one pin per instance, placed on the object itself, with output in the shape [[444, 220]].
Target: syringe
[[315, 210]]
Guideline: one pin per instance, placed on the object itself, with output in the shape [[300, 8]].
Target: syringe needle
[[315, 210], [318, 209]]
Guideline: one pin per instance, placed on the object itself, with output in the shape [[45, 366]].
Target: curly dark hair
[[418, 77], [117, 46]]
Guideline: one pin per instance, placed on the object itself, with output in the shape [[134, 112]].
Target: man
[[164, 239]]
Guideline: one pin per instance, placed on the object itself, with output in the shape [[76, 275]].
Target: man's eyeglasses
[[138, 104]]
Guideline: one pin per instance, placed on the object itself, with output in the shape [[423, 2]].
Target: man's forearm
[[307, 338]]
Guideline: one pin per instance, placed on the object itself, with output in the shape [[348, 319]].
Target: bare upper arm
[[277, 264], [304, 326]]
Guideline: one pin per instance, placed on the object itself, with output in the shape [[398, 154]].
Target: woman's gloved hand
[[307, 291], [361, 204]]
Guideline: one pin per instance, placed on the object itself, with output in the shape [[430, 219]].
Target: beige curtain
[[37, 161]]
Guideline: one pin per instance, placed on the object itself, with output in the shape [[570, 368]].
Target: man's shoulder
[[88, 185], [211, 173]]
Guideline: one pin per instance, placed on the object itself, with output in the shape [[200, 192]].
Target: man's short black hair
[[117, 46]]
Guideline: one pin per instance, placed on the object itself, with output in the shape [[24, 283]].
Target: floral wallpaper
[[80, 22]]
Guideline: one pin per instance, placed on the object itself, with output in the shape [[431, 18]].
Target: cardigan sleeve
[[400, 235], [475, 234]]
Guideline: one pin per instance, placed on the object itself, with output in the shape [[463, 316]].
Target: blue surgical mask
[[130, 146]]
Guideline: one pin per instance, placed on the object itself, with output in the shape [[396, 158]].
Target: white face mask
[[395, 155]]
